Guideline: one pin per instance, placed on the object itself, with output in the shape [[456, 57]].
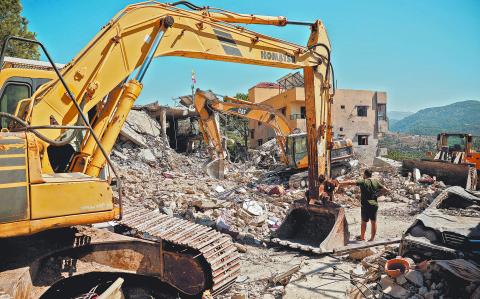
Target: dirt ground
[[319, 276]]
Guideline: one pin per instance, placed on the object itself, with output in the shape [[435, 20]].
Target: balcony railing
[[297, 116]]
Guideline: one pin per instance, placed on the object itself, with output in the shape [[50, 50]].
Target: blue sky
[[423, 53]]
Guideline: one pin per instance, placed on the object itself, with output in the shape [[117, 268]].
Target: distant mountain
[[395, 116], [462, 117]]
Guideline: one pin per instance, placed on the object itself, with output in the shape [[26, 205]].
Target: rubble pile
[[265, 156], [247, 208], [372, 278], [157, 177], [417, 192]]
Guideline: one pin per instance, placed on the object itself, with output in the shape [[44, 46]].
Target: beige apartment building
[[359, 115]]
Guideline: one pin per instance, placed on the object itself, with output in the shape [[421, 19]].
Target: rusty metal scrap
[[450, 174], [313, 228]]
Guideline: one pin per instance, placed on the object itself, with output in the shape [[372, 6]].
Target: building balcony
[[297, 116]]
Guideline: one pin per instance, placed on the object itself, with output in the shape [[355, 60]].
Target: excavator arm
[[147, 30], [206, 103]]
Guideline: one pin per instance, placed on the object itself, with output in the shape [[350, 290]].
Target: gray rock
[[431, 295], [168, 211], [422, 291], [401, 280], [415, 277], [147, 155]]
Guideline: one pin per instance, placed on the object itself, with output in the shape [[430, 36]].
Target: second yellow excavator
[[292, 145]]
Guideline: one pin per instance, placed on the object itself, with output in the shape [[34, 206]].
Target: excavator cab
[[296, 150]]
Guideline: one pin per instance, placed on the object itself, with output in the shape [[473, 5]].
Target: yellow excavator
[[55, 145], [292, 145]]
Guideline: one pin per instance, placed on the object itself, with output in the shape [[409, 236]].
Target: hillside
[[461, 117], [395, 116]]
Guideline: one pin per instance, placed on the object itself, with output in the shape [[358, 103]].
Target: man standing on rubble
[[370, 190]]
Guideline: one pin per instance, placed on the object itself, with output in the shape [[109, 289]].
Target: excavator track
[[212, 247]]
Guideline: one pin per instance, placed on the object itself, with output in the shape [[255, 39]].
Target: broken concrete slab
[[391, 288], [360, 254], [133, 136], [147, 155], [415, 277], [142, 123], [401, 280], [382, 162]]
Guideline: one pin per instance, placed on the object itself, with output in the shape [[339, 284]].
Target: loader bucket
[[315, 228], [215, 169]]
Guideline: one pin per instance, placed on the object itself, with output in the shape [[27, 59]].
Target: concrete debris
[[360, 254], [284, 277], [401, 280], [219, 188], [440, 279], [252, 207], [382, 162], [137, 125], [142, 123], [265, 156], [157, 177], [415, 277], [147, 155], [391, 288]]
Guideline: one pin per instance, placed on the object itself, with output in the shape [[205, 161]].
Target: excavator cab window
[[11, 94], [14, 90], [296, 148]]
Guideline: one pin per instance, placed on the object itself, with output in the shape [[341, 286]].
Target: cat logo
[[240, 110]]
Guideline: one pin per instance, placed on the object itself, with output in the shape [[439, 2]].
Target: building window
[[260, 142], [303, 112], [381, 112], [342, 106], [259, 124], [252, 133], [341, 129], [362, 111], [362, 139], [284, 111]]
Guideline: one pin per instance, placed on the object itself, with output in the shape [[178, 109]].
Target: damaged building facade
[[360, 115], [179, 124]]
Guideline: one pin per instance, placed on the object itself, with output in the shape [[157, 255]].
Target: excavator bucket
[[216, 168], [313, 228]]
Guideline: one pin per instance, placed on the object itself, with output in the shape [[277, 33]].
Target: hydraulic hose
[[329, 63], [187, 4], [25, 125]]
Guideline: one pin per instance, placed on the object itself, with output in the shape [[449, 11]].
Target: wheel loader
[[56, 142], [457, 161]]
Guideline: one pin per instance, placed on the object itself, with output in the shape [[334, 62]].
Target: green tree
[[236, 128], [12, 23]]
